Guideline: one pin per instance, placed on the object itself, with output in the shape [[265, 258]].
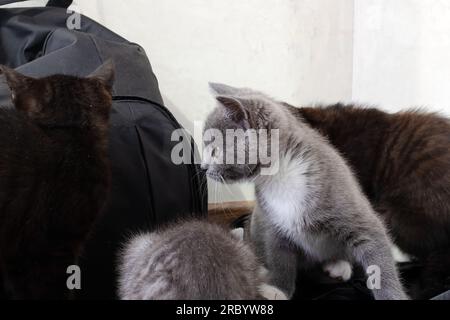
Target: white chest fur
[[289, 201], [286, 196]]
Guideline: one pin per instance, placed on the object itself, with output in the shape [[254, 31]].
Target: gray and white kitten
[[312, 211], [192, 260]]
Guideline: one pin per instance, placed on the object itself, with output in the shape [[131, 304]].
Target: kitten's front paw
[[271, 293], [339, 269]]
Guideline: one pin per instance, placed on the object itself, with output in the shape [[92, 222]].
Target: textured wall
[[402, 53]]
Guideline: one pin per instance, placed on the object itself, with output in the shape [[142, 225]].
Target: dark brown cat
[[402, 161], [54, 177]]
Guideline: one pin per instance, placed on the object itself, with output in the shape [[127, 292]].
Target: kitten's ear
[[222, 89], [23, 93], [16, 81], [236, 109], [105, 73]]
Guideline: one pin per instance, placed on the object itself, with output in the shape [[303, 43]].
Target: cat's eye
[[215, 151]]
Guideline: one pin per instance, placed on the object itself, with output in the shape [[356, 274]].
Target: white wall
[[296, 50], [402, 53]]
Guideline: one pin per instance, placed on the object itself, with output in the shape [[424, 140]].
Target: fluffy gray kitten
[[312, 209], [192, 260]]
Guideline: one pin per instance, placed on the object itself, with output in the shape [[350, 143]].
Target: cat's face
[[63, 101], [231, 135]]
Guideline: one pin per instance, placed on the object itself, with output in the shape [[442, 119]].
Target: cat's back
[[11, 122], [16, 128], [414, 166], [364, 134], [415, 132], [415, 153], [190, 260], [342, 121], [19, 140]]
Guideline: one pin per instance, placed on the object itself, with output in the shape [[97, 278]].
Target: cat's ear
[[23, 92], [16, 81], [105, 73], [222, 89], [236, 110]]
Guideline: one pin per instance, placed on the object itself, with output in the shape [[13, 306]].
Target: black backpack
[[148, 189]]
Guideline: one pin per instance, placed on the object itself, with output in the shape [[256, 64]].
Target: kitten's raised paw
[[339, 269], [271, 293]]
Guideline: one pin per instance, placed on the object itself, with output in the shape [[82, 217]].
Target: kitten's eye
[[215, 152]]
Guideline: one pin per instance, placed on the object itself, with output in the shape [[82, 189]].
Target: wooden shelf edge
[[226, 212]]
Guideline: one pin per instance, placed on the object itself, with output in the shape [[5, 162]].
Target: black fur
[[54, 177]]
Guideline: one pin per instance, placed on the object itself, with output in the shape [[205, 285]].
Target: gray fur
[[312, 210], [191, 260]]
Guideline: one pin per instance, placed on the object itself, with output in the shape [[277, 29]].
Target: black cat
[[54, 177]]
